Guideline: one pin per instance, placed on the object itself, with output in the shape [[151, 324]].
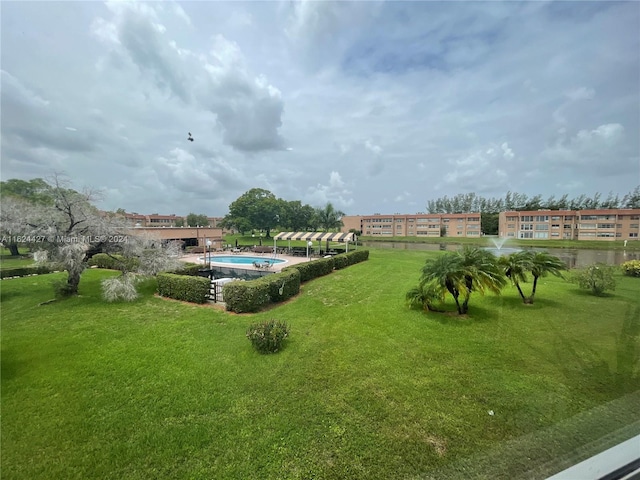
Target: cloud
[[335, 192], [248, 108]]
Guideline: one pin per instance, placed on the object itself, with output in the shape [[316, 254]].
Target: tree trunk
[[533, 290], [458, 305], [524, 299], [72, 282], [13, 248]]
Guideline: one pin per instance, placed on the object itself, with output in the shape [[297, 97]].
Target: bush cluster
[[182, 287], [242, 297], [631, 268], [267, 337], [114, 262]]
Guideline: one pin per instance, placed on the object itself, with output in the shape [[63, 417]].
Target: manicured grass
[[364, 388], [8, 261]]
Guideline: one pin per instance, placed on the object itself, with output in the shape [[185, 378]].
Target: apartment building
[[605, 225], [418, 225], [156, 220]]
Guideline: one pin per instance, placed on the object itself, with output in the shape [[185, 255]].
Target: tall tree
[[257, 208]]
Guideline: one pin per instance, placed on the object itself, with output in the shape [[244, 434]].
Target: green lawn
[[364, 388]]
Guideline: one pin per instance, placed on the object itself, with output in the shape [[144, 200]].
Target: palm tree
[[329, 218], [446, 273], [544, 263], [516, 267], [481, 273], [472, 270], [424, 296]]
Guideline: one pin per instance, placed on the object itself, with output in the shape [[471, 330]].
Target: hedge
[[114, 262], [243, 297], [183, 287], [29, 270], [251, 296], [189, 269]]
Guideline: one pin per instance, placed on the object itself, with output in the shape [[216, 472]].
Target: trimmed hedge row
[[242, 297], [29, 270], [183, 287], [251, 296], [189, 269], [114, 262]]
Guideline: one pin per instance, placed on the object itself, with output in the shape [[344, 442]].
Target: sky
[[376, 107]]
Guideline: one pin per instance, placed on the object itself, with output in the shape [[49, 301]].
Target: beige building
[[605, 225], [418, 225], [156, 220]]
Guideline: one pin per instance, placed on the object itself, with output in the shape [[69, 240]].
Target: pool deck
[[276, 267]]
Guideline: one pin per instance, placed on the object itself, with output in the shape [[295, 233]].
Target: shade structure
[[317, 236]]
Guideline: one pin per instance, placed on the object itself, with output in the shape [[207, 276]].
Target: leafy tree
[[295, 216], [597, 277], [179, 222], [255, 209], [329, 218], [490, 223], [194, 220]]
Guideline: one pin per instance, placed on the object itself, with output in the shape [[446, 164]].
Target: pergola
[[320, 237]]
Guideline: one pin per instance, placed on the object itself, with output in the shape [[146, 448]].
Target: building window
[[511, 234], [542, 218], [541, 235], [511, 225], [527, 218], [526, 226], [556, 217], [555, 226], [606, 225], [542, 226], [633, 235], [587, 226], [526, 234], [587, 217], [606, 234], [568, 217]]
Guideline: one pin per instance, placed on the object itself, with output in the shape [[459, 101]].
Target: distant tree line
[[513, 201]]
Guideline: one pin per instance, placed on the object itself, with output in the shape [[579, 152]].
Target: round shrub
[[267, 337], [631, 268]]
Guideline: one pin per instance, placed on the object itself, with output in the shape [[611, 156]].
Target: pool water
[[243, 259]]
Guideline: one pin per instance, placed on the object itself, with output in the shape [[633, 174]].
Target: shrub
[[182, 287], [30, 270], [268, 337], [631, 268], [122, 287], [114, 262], [189, 269], [597, 277]]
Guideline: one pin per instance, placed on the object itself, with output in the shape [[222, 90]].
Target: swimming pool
[[242, 259]]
